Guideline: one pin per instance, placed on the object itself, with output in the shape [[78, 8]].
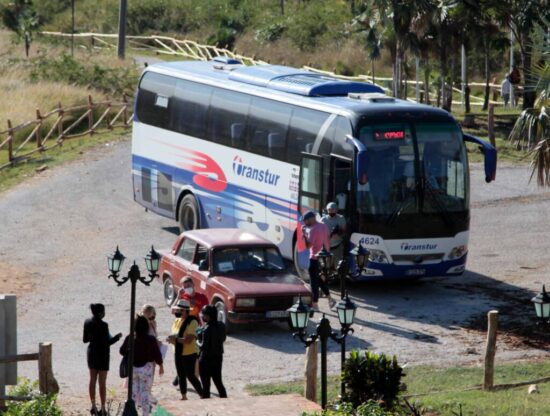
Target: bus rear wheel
[[189, 217]]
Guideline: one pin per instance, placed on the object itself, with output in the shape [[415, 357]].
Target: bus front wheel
[[189, 217]]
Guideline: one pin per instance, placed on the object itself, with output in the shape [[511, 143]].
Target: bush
[[113, 81], [271, 32], [370, 376], [40, 405]]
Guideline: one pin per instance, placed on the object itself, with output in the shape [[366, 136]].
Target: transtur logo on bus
[[260, 175], [416, 247]]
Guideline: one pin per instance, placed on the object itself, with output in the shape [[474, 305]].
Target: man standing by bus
[[316, 236], [336, 224]]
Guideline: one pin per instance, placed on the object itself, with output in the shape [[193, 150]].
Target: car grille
[[274, 302], [417, 258]]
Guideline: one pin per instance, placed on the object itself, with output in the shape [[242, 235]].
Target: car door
[[184, 261], [200, 277]]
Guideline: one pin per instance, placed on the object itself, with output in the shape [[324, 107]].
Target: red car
[[242, 274]]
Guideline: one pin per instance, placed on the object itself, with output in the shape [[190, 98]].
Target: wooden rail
[[165, 45], [18, 142], [46, 380]]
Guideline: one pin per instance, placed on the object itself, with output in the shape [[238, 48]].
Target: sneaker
[[331, 302], [176, 381]]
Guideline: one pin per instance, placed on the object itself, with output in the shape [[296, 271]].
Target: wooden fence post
[[125, 112], [60, 125], [310, 387], [46, 380], [91, 115], [10, 141], [491, 124], [492, 318], [39, 129]]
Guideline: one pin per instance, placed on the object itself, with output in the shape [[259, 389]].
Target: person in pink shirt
[[316, 236]]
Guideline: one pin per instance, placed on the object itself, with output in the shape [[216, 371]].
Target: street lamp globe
[[299, 315], [152, 261], [325, 257], [346, 311], [361, 255], [542, 304], [115, 261]]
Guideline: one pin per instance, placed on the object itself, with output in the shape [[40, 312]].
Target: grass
[[70, 150], [442, 392]]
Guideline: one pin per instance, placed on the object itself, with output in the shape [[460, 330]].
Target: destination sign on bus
[[389, 135]]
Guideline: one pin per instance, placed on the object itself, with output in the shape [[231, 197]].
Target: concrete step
[[279, 405]]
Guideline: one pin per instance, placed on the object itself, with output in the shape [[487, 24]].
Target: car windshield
[[229, 260], [433, 178]]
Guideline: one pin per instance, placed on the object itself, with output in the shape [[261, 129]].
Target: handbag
[[123, 369]]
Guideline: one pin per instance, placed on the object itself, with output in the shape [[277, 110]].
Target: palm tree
[[532, 129]]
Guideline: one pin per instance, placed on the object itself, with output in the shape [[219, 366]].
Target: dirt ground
[[58, 228]]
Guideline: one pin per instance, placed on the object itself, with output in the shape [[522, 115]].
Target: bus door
[[310, 194], [340, 184]]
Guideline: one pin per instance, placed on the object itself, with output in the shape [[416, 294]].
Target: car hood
[[255, 284]]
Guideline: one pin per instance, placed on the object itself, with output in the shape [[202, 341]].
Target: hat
[[182, 304], [186, 279], [332, 205], [308, 215]]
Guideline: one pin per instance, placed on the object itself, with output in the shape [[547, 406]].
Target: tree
[[532, 129], [20, 17]]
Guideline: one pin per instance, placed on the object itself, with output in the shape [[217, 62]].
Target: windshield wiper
[[434, 195], [397, 212]]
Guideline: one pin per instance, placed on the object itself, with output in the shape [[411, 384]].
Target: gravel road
[[58, 228]]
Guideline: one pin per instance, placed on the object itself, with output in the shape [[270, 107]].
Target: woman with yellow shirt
[[183, 337]]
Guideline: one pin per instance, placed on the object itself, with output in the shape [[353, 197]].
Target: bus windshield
[[413, 168]]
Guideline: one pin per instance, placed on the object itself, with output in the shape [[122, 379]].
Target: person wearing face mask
[[336, 224], [183, 337], [196, 300]]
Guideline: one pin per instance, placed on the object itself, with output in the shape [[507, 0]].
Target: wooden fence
[[47, 383], [165, 45], [66, 123]]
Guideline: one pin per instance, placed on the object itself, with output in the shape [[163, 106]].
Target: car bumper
[[248, 317]]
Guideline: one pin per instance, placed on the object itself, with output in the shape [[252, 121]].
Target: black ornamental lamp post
[[542, 306], [152, 261], [299, 317], [326, 259]]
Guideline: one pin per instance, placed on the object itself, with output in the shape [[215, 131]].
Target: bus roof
[[291, 85]]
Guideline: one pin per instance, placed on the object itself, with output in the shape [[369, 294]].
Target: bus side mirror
[[361, 161], [490, 156]]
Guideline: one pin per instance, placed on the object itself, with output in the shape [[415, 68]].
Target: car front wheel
[[222, 316], [169, 291]]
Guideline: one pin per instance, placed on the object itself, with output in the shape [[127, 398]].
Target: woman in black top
[[96, 332], [212, 337]]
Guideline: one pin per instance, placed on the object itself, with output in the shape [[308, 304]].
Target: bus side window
[[304, 127], [268, 127], [155, 99], [227, 118], [190, 108]]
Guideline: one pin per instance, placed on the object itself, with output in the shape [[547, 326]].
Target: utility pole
[[122, 29], [463, 75], [72, 28]]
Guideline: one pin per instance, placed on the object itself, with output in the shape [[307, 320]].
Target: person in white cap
[[336, 224]]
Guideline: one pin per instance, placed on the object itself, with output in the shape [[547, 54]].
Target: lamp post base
[[129, 408]]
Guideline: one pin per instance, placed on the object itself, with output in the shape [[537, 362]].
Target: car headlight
[[245, 302], [458, 252], [377, 256], [306, 300]]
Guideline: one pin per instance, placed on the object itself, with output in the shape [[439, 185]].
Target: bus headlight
[[377, 256], [245, 302], [458, 252]]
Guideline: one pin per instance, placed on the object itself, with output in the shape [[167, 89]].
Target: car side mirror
[[203, 265]]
